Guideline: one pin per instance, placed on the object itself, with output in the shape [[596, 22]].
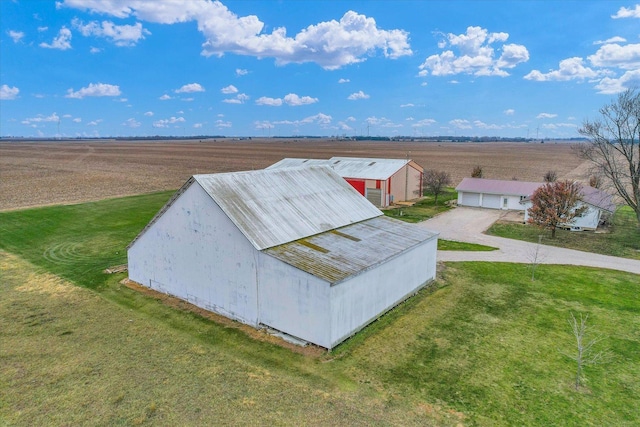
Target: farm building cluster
[[301, 246]]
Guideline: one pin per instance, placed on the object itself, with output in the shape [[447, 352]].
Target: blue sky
[[251, 68]]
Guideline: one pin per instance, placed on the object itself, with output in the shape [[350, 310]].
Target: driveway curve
[[466, 224]]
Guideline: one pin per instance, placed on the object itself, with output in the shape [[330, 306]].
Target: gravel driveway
[[465, 224]]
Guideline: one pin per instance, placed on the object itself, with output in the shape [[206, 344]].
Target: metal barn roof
[[598, 198], [338, 254], [351, 167], [276, 206], [496, 186]]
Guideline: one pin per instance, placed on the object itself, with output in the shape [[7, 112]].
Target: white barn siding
[[361, 299], [294, 301], [194, 252]]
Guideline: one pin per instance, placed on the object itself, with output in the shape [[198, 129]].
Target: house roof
[[338, 254], [598, 198], [351, 167], [276, 206], [496, 186]]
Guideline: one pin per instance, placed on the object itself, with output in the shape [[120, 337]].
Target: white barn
[[381, 181], [494, 193], [293, 249]]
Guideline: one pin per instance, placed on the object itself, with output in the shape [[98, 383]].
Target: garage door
[[491, 201], [374, 196], [470, 199]]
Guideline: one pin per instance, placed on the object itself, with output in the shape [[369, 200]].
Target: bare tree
[[585, 353], [614, 146], [436, 182], [550, 176], [536, 257], [555, 203], [476, 172], [595, 181]]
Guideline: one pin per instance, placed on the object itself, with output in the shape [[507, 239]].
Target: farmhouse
[[494, 193], [381, 181], [297, 250], [596, 202]]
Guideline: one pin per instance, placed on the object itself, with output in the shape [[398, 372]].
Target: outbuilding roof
[[338, 254], [276, 206], [496, 186], [351, 167], [598, 198]]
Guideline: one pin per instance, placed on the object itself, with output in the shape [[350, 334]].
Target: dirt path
[[468, 224]]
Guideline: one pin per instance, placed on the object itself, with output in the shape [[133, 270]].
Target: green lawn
[[622, 241], [452, 245], [423, 209], [480, 347]]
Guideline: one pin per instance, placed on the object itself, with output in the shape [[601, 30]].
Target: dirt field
[[40, 173]]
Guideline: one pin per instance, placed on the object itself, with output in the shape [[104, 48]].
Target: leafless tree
[[536, 257], [595, 181], [584, 354], [476, 172], [436, 182], [550, 176], [614, 146]]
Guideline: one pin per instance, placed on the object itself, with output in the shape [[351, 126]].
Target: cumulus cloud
[[460, 123], [476, 55], [569, 69], [624, 12], [509, 112], [423, 122], [165, 123], [615, 39], [546, 116], [229, 89], [94, 122], [42, 29], [164, 97], [220, 124], [610, 86], [8, 93], [330, 44], [241, 72], [40, 119], [272, 102], [240, 98], [343, 81], [149, 114], [77, 120], [61, 42], [407, 105], [197, 125], [190, 88], [132, 123], [94, 89], [614, 55], [95, 50], [16, 36], [320, 119], [358, 95], [120, 35], [295, 100]]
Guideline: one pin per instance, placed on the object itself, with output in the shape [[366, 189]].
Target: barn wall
[[359, 300], [400, 179], [194, 252], [293, 301]]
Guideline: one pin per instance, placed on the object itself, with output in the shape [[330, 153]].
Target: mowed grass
[[424, 209], [478, 347], [452, 245], [622, 241]]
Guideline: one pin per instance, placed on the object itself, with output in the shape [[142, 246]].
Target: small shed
[[297, 250], [381, 181], [494, 193]]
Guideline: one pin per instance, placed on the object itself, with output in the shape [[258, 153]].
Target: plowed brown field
[[39, 173]]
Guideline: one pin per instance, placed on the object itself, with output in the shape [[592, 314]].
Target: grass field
[[480, 347], [423, 209], [623, 240]]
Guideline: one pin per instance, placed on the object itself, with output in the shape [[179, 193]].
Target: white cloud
[[229, 89], [66, 116], [77, 120], [272, 102], [62, 42], [132, 123], [97, 89], [94, 122], [320, 118], [423, 122], [628, 80], [476, 55], [559, 125], [613, 55], [350, 119], [358, 95], [42, 29], [546, 116], [240, 98], [8, 93], [222, 124], [190, 88], [482, 125], [623, 12], [344, 81], [381, 122], [509, 112], [164, 123], [615, 39], [95, 50], [460, 124], [41, 119], [241, 72], [120, 35], [407, 105], [570, 69], [331, 44], [16, 36], [295, 100], [149, 114], [197, 125]]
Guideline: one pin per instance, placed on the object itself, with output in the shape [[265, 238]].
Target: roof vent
[[372, 163]]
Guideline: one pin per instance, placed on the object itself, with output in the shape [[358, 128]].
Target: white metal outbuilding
[[294, 249]]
